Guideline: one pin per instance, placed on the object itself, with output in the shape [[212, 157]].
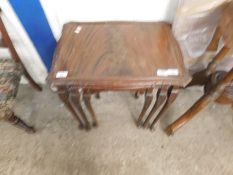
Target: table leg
[[171, 96], [64, 97], [148, 100], [97, 95], [160, 98], [87, 101], [75, 100], [137, 93]]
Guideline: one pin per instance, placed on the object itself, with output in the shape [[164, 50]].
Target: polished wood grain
[[201, 103], [160, 98], [147, 103], [117, 55], [105, 56], [170, 98]]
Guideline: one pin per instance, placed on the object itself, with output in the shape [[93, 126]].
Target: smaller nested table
[[117, 56]]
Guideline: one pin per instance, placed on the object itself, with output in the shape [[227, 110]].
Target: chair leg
[[147, 102], [201, 77], [213, 46], [32, 82], [171, 96], [188, 115], [87, 101], [217, 59], [16, 121], [160, 98], [212, 95]]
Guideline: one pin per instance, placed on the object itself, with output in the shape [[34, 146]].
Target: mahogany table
[[117, 56]]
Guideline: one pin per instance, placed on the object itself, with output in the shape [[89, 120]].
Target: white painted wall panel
[[23, 44], [62, 11], [59, 12]]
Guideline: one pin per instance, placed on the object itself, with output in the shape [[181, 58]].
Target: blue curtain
[[32, 17]]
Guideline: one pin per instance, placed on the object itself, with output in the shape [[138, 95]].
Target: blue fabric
[[36, 25]]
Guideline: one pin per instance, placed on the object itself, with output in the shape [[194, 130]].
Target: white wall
[[62, 11], [22, 43], [59, 12]]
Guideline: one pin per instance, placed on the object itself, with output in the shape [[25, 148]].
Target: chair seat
[[10, 73]]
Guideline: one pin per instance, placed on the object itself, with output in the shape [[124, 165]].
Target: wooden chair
[[10, 73], [218, 85]]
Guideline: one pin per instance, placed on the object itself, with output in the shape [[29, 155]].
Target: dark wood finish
[[116, 56], [137, 93], [16, 121], [160, 98], [8, 43], [171, 96], [87, 101], [97, 95], [75, 99], [200, 78], [213, 94], [147, 102], [64, 96], [216, 60]]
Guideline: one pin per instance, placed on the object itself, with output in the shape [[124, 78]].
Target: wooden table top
[[118, 55]]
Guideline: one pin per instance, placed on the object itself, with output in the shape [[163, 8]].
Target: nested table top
[[118, 55]]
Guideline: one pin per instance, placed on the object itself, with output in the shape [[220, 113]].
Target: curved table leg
[[97, 95], [87, 101], [160, 98], [63, 95], [136, 94], [148, 100], [75, 100], [171, 96]]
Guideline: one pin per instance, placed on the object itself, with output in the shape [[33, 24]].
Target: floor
[[117, 147]]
